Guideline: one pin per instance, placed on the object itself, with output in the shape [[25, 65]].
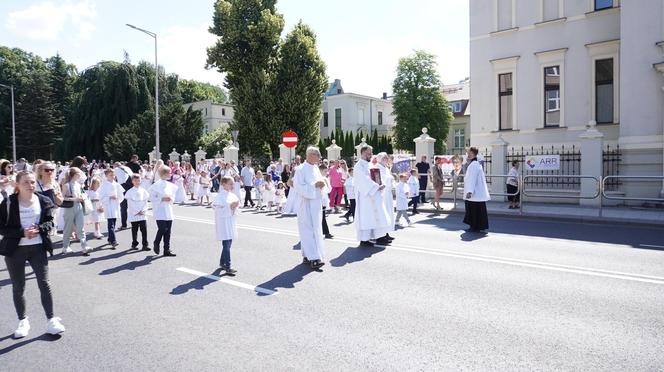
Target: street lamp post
[[11, 89], [156, 85]]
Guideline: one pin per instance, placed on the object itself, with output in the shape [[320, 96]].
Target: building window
[[504, 14], [325, 120], [380, 118], [337, 118], [459, 138], [505, 101], [223, 112], [603, 4], [456, 107], [552, 96], [360, 116], [604, 91]]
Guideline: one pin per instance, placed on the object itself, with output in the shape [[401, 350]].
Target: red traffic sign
[[289, 139]]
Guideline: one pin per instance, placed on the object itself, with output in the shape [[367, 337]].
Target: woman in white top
[[513, 185], [73, 210], [147, 177], [25, 223]]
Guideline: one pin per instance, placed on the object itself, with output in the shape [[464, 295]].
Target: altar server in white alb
[[137, 209], [225, 206], [111, 195], [310, 184], [162, 195], [476, 194], [387, 179], [371, 218]]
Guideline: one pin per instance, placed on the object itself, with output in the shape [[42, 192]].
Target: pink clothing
[[336, 177], [336, 195]]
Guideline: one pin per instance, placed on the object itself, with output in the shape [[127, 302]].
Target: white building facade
[[542, 70], [215, 115], [354, 112], [458, 97]]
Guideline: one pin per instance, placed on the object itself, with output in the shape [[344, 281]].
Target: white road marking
[[651, 246], [228, 281], [471, 256]]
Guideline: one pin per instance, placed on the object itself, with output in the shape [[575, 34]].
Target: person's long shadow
[[355, 254], [470, 236], [108, 257], [44, 337], [298, 246], [5, 282], [198, 284], [287, 279], [133, 265]]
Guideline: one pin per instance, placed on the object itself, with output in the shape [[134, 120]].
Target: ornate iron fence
[[611, 158], [570, 164]]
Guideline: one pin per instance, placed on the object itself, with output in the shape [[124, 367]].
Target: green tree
[[215, 141], [299, 87], [418, 102], [62, 78], [249, 34], [193, 91]]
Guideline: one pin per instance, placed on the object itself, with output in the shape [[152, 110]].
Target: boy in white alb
[[225, 205], [137, 207], [403, 194], [162, 195], [414, 188], [111, 195]]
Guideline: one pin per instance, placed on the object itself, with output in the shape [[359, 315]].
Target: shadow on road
[[5, 282], [635, 236], [133, 265], [44, 337], [287, 279], [470, 236], [107, 257], [297, 247], [355, 254], [198, 283]]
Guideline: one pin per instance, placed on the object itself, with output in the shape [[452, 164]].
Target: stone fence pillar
[[424, 146], [333, 151], [591, 162]]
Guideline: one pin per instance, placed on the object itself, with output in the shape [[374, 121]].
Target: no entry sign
[[289, 139]]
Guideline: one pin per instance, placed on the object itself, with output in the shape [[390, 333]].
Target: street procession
[[262, 185]]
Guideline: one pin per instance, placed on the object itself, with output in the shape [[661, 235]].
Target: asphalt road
[[531, 295]]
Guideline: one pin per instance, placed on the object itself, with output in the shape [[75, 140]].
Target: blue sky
[[360, 40]]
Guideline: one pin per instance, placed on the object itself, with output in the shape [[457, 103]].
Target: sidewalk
[[563, 212]]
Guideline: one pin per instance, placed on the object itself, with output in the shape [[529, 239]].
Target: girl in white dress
[[279, 196], [95, 217], [178, 180], [147, 176], [268, 192], [204, 188]]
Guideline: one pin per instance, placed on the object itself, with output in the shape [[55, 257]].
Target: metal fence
[[611, 158], [561, 179]]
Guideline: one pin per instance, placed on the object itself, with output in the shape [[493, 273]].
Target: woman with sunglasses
[[46, 184], [25, 223], [6, 178]]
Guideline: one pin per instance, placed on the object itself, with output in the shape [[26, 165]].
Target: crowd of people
[[46, 198]]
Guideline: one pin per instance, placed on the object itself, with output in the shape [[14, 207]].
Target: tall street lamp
[[11, 88], [156, 85]]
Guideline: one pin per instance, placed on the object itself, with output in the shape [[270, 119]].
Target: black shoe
[[168, 253], [388, 237], [156, 249], [133, 248], [305, 261], [123, 227], [145, 248], [316, 264], [366, 243], [230, 271], [382, 241], [329, 236]]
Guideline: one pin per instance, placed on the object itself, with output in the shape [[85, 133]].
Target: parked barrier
[[626, 198]]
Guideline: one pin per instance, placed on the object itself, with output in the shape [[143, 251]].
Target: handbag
[[3, 241], [67, 203], [87, 206]]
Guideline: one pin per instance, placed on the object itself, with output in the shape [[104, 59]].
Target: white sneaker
[[98, 235], [66, 250], [54, 326], [23, 328]]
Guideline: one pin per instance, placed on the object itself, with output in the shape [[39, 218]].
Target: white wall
[[350, 105]]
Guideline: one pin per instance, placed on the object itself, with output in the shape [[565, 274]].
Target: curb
[[555, 217]]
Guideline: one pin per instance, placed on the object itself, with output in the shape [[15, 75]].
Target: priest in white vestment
[[371, 218], [476, 194], [309, 184]]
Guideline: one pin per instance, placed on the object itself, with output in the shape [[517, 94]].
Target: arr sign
[[289, 139], [543, 162]]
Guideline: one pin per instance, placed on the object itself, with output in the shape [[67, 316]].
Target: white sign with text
[[543, 162]]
